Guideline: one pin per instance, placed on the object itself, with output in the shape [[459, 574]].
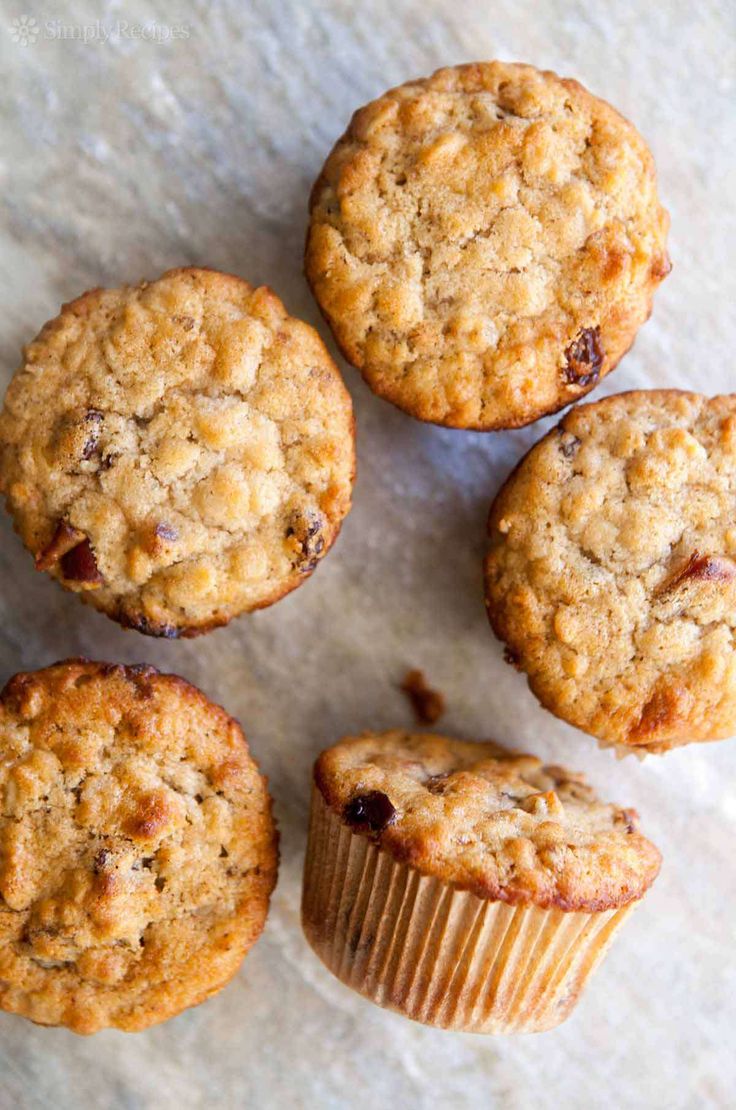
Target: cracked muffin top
[[178, 452], [137, 847], [488, 820], [612, 569], [485, 243]]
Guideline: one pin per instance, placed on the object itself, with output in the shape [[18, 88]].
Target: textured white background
[[123, 158]]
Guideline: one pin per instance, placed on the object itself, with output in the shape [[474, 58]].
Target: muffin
[[485, 243], [463, 885], [177, 452], [137, 847], [611, 574]]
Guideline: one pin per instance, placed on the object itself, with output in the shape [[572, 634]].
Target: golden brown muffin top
[[137, 847], [180, 451], [487, 820], [485, 243], [612, 568]]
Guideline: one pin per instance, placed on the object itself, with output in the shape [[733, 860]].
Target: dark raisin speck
[[140, 670], [93, 420], [584, 358], [629, 819], [373, 811], [569, 444], [142, 624], [101, 860], [166, 532]]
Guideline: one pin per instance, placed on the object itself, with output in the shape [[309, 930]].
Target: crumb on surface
[[428, 704]]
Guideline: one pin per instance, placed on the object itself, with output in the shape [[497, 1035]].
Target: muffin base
[[438, 954]]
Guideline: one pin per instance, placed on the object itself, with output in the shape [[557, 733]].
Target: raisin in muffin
[[463, 885], [137, 847], [177, 452], [485, 243], [611, 574]]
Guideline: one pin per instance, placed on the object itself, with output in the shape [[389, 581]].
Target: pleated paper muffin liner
[[438, 954]]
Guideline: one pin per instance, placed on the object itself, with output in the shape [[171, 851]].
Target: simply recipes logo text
[[27, 30]]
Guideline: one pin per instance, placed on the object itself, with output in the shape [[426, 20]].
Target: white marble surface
[[120, 158]]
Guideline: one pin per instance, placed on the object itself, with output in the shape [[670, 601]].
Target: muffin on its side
[[463, 885], [137, 847], [486, 243], [611, 574], [177, 452]]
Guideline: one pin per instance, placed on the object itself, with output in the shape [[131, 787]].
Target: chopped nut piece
[[64, 539], [703, 568], [542, 804], [80, 566]]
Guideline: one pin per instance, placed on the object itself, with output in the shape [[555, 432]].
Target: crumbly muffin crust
[[177, 452], [137, 847], [612, 568], [485, 243], [487, 820]]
